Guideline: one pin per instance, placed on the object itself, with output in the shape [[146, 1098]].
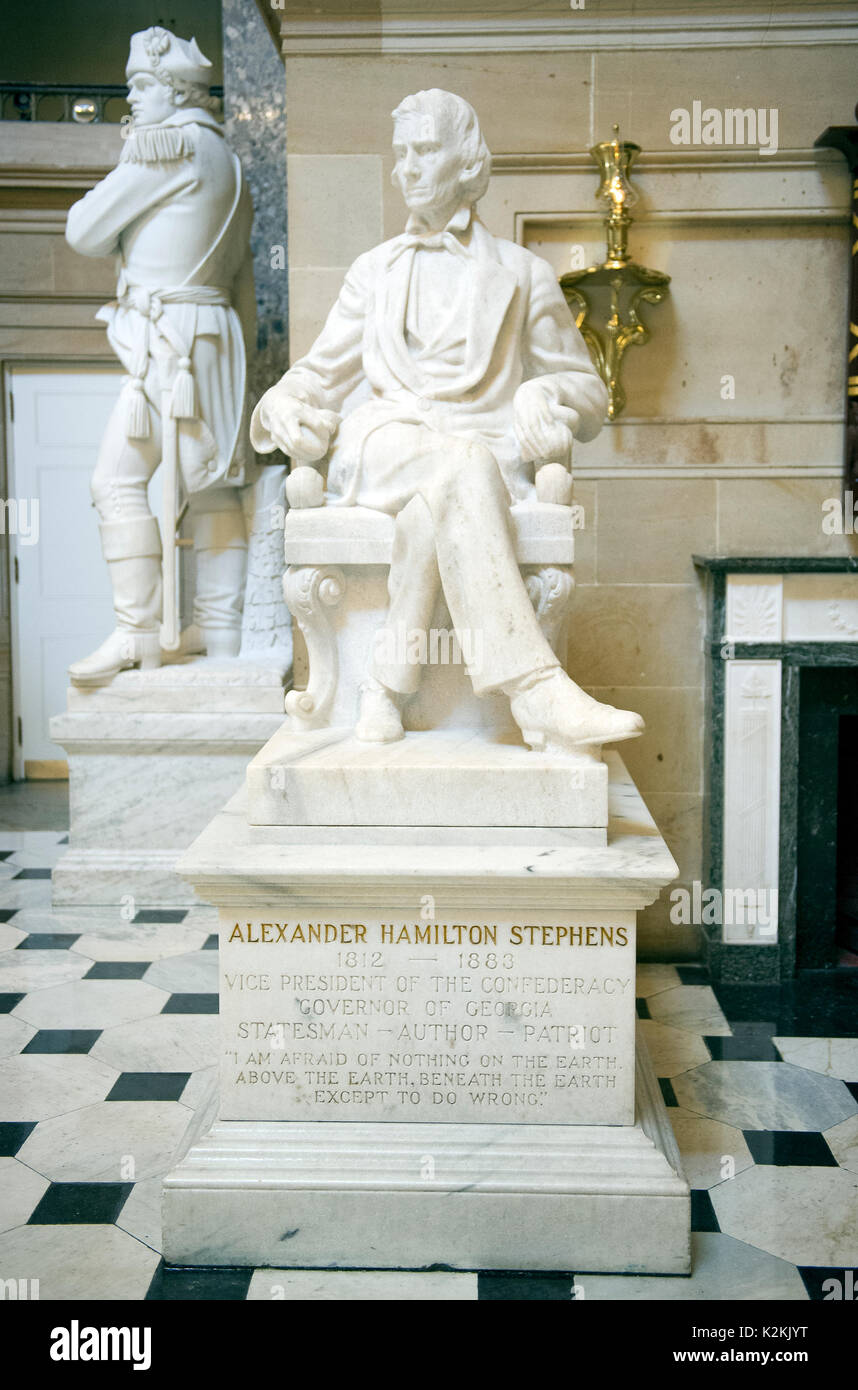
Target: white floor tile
[[330, 1285], [712, 1152], [842, 1140], [806, 1215], [25, 972], [167, 1042], [721, 1268], [116, 1141], [764, 1095], [21, 1190], [79, 1262], [655, 979], [141, 941], [141, 1213], [693, 1007], [10, 936], [14, 1035], [672, 1050], [830, 1056], [39, 1085], [194, 973], [92, 1004]]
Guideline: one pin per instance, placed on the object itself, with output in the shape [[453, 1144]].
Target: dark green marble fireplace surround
[[819, 684]]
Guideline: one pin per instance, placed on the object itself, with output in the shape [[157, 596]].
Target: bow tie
[[436, 241]]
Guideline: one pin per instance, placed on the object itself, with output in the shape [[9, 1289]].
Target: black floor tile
[[31, 873], [667, 1092], [7, 913], [751, 1042], [161, 914], [834, 1284], [118, 970], [816, 1004], [81, 1204], [8, 1002], [211, 942], [789, 1147], [524, 1288], [14, 1133], [852, 1088], [5, 854], [692, 974], [703, 1216], [63, 1040], [191, 1004], [186, 1285], [48, 941], [149, 1085], [63, 841], [642, 1008]]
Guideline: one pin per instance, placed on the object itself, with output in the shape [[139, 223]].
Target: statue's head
[[165, 73], [442, 160]]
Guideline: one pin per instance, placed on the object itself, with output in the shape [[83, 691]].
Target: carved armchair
[[335, 586]]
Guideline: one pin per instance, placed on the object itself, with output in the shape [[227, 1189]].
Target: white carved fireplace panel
[[751, 798]]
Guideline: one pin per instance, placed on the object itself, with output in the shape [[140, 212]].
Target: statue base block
[[152, 757], [427, 1047], [583, 1198], [452, 777]]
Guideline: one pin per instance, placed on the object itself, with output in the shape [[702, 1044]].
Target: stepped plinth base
[[584, 1198]]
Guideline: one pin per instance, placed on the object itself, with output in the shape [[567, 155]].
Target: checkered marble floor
[[107, 1044]]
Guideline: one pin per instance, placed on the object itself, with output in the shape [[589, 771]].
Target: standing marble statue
[[474, 379], [176, 213]]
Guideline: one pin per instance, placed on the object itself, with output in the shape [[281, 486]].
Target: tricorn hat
[[168, 58]]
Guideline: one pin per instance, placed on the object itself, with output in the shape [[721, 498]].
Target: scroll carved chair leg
[[309, 591]]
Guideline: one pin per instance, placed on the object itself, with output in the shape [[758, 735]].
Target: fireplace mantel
[[768, 617]]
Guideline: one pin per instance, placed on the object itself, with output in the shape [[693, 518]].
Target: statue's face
[[151, 101], [428, 165]]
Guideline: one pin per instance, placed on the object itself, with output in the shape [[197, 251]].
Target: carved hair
[[456, 119], [157, 42]]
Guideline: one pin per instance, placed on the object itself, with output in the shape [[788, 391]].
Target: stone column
[[255, 123]]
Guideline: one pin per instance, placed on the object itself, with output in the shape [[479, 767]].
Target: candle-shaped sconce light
[[624, 279]]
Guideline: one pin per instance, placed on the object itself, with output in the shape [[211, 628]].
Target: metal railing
[[85, 104]]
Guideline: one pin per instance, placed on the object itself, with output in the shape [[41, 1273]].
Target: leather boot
[[132, 550]]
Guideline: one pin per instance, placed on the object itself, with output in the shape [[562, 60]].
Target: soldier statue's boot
[[220, 549], [132, 550], [553, 712]]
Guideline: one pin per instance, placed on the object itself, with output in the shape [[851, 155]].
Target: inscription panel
[[389, 1019]]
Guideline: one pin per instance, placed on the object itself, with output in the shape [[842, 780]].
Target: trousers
[[454, 533], [119, 489]]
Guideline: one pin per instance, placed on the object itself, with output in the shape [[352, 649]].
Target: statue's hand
[[543, 426], [300, 430]]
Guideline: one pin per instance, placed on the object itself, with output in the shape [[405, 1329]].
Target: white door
[[61, 599]]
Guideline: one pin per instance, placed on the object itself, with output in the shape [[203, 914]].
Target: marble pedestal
[[152, 757], [428, 1048]]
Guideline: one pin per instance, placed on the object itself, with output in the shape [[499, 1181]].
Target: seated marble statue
[[472, 373]]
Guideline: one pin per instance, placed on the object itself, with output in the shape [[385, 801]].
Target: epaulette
[[158, 144]]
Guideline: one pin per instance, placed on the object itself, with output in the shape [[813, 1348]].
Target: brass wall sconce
[[617, 272]]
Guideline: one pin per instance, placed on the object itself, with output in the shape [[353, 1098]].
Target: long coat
[[176, 213], [515, 325]]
